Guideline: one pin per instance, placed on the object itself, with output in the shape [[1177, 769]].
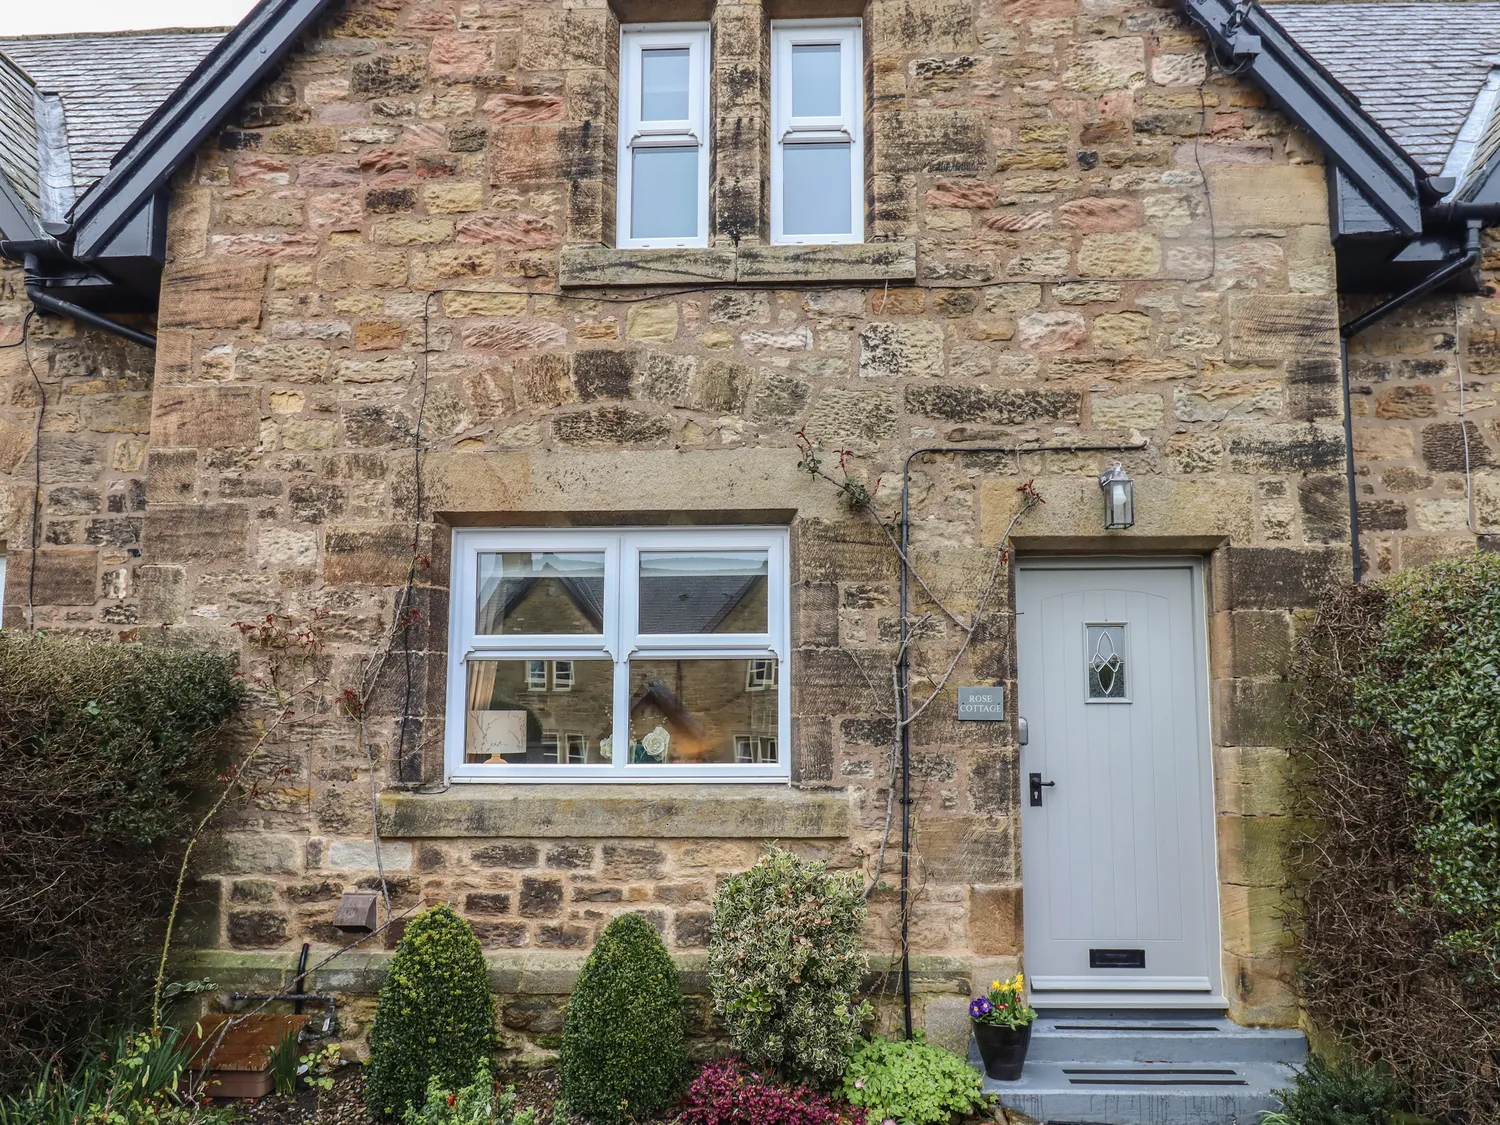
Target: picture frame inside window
[[817, 132], [651, 655], [664, 145]]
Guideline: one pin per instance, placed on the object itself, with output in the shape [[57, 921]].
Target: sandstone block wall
[[1079, 235]]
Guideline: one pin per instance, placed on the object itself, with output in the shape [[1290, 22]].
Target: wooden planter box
[[239, 1068]]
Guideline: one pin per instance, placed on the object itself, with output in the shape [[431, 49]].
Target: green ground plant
[[624, 1052], [785, 964], [435, 1018], [1349, 1094], [134, 1080], [912, 1082], [478, 1103]]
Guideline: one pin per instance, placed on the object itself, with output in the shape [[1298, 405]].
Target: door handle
[[1037, 785]]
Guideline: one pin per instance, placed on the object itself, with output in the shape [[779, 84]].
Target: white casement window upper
[[662, 197], [817, 132], [666, 650]]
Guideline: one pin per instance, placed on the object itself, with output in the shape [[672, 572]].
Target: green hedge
[[1397, 778], [102, 748]]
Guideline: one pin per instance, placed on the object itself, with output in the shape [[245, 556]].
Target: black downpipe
[[300, 987], [27, 253], [67, 308], [903, 703], [1348, 331]]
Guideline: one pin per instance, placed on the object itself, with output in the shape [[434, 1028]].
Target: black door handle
[[1036, 789]]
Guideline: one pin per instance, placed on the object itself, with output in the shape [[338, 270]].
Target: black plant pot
[[1003, 1049]]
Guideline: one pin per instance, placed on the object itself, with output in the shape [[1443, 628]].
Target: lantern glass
[[1119, 499]]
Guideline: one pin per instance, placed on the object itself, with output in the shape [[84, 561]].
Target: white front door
[[1117, 823]]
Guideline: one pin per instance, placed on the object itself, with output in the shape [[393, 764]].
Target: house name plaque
[[981, 704]]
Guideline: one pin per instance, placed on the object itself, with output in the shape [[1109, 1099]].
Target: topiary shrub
[[913, 1082], [102, 749], [435, 1018], [785, 964], [624, 1050]]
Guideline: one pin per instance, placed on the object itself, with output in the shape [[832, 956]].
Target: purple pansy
[[981, 1007]]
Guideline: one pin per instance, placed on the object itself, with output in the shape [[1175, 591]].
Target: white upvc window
[[662, 194], [666, 649], [817, 132]]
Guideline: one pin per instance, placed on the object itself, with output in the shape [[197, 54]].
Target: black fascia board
[[168, 138], [1384, 173], [17, 223]]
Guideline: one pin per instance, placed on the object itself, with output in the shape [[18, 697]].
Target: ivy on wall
[[1396, 780]]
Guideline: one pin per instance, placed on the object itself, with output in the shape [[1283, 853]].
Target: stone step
[[1167, 1038], [1143, 1093], [1149, 1068]]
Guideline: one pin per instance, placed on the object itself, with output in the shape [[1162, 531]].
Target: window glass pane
[[664, 84], [815, 189], [816, 80], [1106, 661], [664, 193], [541, 592], [703, 591], [511, 723], [702, 711]]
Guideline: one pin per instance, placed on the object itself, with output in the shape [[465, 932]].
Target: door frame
[[1213, 997]]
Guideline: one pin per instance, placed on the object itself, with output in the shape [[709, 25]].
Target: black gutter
[[26, 253], [903, 668], [1348, 331]]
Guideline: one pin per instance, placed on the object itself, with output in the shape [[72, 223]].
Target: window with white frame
[[817, 132], [665, 649], [662, 196]]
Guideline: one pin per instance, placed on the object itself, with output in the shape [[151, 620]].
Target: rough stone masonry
[[391, 276]]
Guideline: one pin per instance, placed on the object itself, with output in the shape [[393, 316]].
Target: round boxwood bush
[[624, 1053], [435, 1017]]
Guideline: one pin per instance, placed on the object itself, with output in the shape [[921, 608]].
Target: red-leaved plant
[[727, 1092]]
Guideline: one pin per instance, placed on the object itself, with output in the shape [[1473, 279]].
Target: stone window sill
[[599, 266], [620, 812]]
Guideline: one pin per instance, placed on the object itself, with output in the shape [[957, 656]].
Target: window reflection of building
[[682, 709]]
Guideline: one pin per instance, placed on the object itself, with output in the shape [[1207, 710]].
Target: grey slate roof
[[108, 84], [18, 151], [1416, 68]]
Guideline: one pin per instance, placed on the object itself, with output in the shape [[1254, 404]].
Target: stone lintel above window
[[586, 266]]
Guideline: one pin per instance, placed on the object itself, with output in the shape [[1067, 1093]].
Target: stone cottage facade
[[395, 312]]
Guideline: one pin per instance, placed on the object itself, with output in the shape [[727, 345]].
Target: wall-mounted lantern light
[[1119, 498]]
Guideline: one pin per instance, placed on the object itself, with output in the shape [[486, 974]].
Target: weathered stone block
[[374, 555], [995, 921], [1004, 407], [212, 293], [1282, 577], [856, 419], [196, 533], [1301, 447], [1269, 327], [610, 424], [908, 349], [206, 417]]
